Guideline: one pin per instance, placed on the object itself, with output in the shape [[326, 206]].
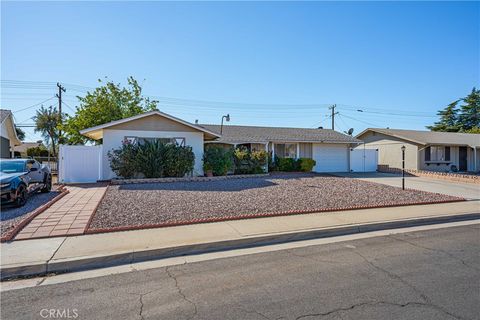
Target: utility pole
[[59, 96], [333, 115]]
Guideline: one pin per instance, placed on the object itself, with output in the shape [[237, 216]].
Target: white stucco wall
[[390, 152], [112, 139]]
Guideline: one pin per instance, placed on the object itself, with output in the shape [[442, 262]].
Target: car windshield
[[12, 166]]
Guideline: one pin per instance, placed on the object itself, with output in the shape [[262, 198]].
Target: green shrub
[[39, 151], [152, 159], [123, 160], [286, 164], [217, 159], [258, 161], [307, 164], [178, 160], [241, 157], [272, 162], [248, 162]]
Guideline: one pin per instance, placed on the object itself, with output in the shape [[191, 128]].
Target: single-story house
[[149, 126], [8, 134], [21, 150], [329, 148], [424, 150]]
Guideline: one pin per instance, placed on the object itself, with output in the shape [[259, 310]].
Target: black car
[[20, 177]]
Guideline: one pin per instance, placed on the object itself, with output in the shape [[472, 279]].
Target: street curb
[[127, 257]]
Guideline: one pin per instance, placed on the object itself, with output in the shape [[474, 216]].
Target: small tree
[[47, 122], [108, 102]]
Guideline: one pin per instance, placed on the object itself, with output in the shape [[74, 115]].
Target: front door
[[462, 161]]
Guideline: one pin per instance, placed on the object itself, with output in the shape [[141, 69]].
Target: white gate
[[80, 164], [363, 160]]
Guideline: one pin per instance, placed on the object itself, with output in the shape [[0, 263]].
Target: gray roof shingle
[[253, 134], [431, 137]]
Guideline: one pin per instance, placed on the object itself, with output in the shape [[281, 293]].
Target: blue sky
[[265, 63]]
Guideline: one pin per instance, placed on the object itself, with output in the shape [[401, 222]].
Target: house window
[[286, 150], [437, 153], [141, 140]]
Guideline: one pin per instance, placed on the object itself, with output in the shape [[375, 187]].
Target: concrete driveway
[[469, 191]]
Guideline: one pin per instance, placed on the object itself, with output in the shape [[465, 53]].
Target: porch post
[[298, 150], [474, 159], [266, 149]]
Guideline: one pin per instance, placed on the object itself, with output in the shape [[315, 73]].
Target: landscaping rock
[[182, 202]]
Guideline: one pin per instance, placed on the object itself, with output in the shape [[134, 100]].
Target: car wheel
[[21, 198], [47, 185]]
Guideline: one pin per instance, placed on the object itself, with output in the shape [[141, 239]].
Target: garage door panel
[[330, 158]]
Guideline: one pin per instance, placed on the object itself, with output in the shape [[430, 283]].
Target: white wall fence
[[363, 160], [80, 164]]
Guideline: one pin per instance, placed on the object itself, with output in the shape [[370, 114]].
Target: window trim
[[295, 145], [438, 154], [136, 139]]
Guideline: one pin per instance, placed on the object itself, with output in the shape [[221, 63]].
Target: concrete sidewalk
[[41, 256]]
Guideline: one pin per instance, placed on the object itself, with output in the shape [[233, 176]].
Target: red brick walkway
[[68, 216]]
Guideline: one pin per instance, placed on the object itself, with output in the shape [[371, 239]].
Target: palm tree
[[47, 122]]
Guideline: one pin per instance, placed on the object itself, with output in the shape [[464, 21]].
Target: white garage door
[[330, 158]]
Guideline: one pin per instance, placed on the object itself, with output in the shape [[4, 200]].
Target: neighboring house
[[8, 134], [330, 149], [21, 150], [425, 150], [148, 126]]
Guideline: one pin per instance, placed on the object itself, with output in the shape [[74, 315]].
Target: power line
[[194, 104], [68, 106], [369, 123], [37, 104]]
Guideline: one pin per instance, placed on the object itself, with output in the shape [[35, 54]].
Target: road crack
[[454, 257], [368, 303], [140, 300], [180, 292], [427, 302], [255, 312]]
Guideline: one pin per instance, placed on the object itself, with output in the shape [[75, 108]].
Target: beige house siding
[[390, 152], [305, 150], [153, 123]]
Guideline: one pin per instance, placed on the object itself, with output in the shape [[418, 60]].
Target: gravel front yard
[[10, 216], [159, 203]]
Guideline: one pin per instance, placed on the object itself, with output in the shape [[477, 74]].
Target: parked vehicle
[[21, 177]]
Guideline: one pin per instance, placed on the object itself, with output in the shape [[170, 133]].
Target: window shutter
[[427, 154], [447, 153]]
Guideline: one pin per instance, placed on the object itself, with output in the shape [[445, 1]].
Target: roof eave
[[146, 114]]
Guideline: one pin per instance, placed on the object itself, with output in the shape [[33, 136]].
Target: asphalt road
[[431, 274]]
